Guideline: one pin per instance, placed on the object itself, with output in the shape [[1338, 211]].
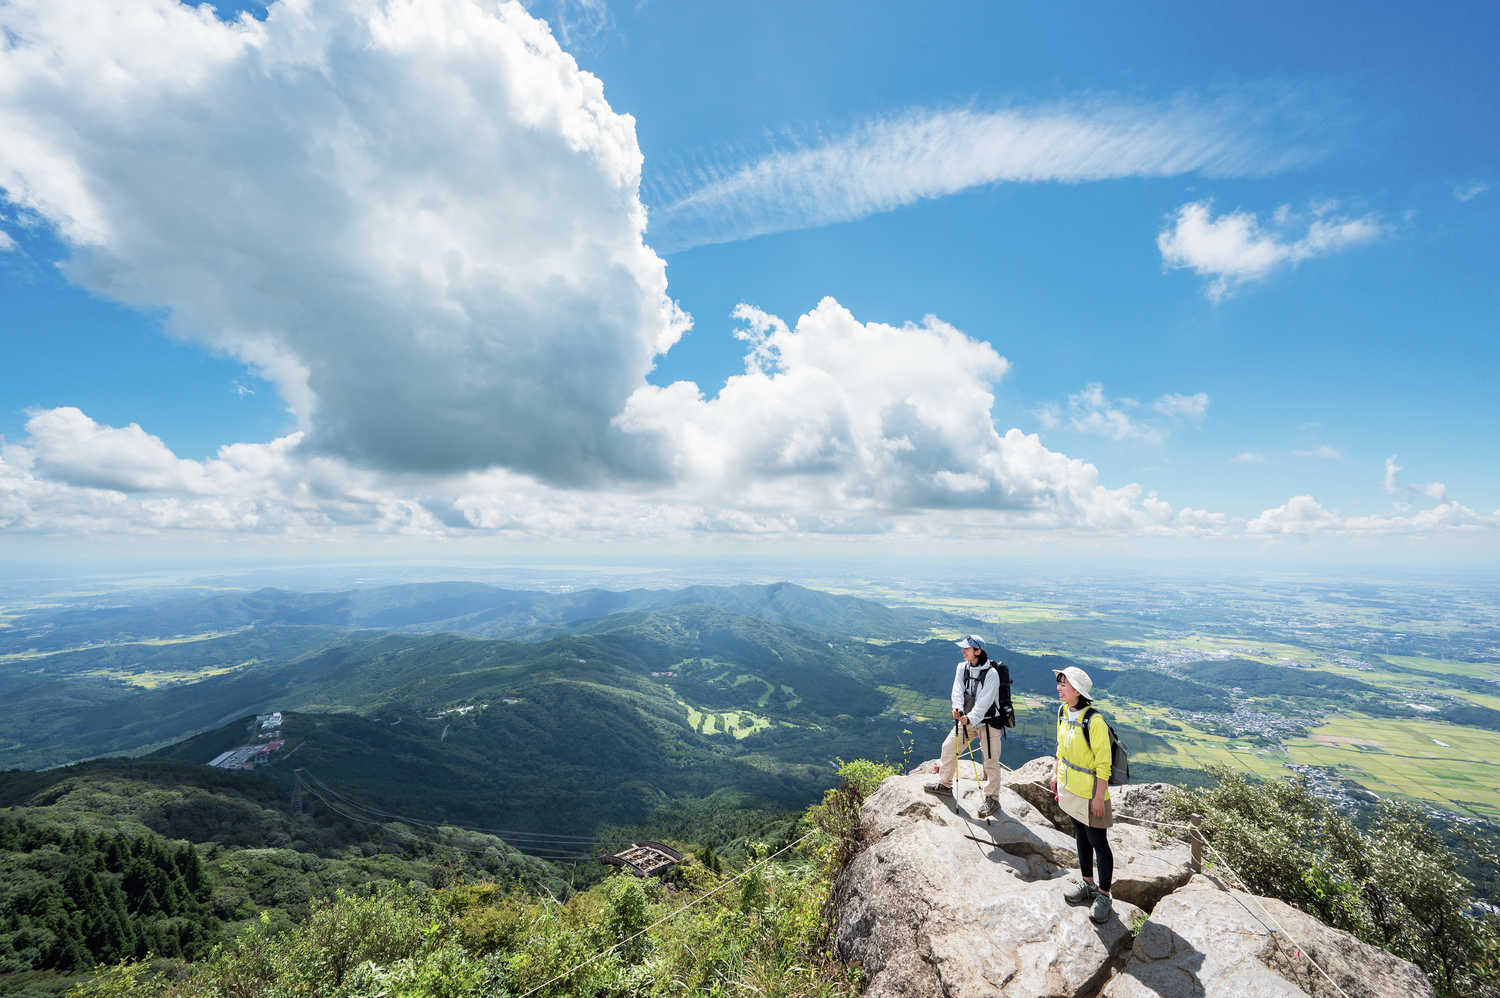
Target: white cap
[[1080, 679], [972, 641]]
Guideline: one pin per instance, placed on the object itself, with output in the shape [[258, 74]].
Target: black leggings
[[1091, 842]]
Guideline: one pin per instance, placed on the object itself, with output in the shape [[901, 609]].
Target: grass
[[765, 697], [150, 680]]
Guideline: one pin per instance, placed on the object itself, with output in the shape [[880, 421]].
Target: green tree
[[1396, 887]]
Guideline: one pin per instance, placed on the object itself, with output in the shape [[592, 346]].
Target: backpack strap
[[1082, 722]]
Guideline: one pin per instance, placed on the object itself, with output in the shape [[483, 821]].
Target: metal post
[[1197, 833]]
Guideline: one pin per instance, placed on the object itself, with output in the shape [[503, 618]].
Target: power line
[[542, 849], [438, 843], [501, 832]]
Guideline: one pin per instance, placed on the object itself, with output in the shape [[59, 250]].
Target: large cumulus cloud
[[423, 221], [418, 216], [858, 418], [836, 427]]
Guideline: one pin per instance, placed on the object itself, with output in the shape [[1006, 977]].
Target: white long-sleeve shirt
[[984, 699]]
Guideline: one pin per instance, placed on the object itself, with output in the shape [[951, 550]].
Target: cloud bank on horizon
[[423, 222]]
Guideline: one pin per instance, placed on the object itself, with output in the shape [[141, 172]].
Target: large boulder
[[1148, 864], [1205, 941], [1032, 783], [940, 902], [1145, 802]]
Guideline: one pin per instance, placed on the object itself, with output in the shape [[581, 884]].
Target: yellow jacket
[[1079, 761]]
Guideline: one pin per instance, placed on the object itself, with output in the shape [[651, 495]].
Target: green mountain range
[[457, 607]]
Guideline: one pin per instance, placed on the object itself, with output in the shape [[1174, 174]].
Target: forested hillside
[[458, 607]]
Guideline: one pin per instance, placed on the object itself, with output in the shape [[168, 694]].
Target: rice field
[[1455, 767]]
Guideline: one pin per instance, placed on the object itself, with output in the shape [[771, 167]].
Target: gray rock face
[[1032, 784], [941, 903], [1145, 801], [1206, 941]]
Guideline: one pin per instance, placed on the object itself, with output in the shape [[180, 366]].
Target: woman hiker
[[976, 694], [1081, 785]]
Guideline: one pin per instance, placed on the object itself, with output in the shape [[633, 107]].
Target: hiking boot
[[1103, 905], [939, 789], [991, 805], [1079, 894]]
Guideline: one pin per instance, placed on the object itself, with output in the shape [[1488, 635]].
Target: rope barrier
[[974, 768], [1244, 886], [540, 854], [1245, 891], [702, 897]]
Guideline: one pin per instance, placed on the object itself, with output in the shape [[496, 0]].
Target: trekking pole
[[987, 761], [956, 751], [973, 766]]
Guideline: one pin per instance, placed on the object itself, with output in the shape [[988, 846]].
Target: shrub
[[762, 935], [1396, 887]]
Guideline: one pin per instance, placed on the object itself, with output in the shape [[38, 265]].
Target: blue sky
[[903, 161]]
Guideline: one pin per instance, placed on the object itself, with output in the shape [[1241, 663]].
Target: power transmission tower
[[297, 791]]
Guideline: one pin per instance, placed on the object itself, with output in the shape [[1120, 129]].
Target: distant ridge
[[462, 608]]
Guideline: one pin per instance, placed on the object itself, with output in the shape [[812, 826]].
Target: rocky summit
[[940, 902]]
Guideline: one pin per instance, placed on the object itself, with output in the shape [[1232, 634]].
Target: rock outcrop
[[1207, 940], [942, 903]]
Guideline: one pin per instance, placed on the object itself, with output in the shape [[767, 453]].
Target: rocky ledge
[[942, 903]]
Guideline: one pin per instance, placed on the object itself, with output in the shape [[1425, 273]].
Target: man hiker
[[976, 692]]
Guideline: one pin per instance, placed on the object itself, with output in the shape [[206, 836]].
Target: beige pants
[[989, 748]]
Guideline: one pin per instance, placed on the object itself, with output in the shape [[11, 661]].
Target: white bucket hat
[[1080, 679]]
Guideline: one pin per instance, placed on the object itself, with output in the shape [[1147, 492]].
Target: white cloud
[[1305, 516], [6, 242], [1247, 456], [1321, 451], [836, 427], [1090, 411], [890, 162], [577, 22], [1469, 192], [1391, 470], [838, 417], [1431, 490], [1184, 406], [1234, 249], [418, 217]]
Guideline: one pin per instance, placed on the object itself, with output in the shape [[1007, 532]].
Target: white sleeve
[[958, 687]]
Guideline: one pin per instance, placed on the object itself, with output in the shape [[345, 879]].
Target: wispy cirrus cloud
[[888, 162], [1469, 192], [1192, 407], [1321, 450]]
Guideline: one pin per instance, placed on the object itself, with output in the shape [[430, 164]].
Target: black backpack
[[1003, 713], [1119, 755]]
